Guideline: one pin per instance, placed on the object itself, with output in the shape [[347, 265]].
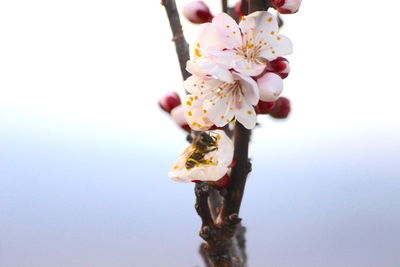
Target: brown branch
[[204, 256], [245, 6], [221, 228], [181, 46], [258, 5], [202, 191], [239, 172], [226, 245], [224, 6], [280, 20]]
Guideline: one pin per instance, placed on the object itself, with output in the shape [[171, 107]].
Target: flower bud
[[281, 109], [197, 12], [264, 107], [169, 101], [178, 116], [280, 66], [271, 86], [286, 6]]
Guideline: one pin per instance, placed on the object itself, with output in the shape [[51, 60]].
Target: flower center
[[250, 51], [233, 92]]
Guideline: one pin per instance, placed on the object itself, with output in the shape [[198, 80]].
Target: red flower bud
[[286, 6], [197, 12], [178, 116], [280, 66], [169, 101], [281, 109], [264, 107]]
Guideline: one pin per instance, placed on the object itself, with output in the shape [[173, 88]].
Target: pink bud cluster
[[279, 109], [197, 12], [271, 87], [271, 84], [171, 103], [286, 6]]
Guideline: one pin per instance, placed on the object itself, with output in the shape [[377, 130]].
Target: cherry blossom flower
[[213, 101], [246, 48], [208, 158]]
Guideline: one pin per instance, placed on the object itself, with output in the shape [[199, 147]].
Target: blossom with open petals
[[215, 102], [246, 48], [208, 158]]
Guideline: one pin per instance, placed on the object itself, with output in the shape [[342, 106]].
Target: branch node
[[177, 37], [202, 189], [207, 233], [233, 219]]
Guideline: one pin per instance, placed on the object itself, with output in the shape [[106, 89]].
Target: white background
[[104, 64], [84, 148]]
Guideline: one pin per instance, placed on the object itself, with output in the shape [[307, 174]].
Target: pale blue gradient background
[[82, 201], [84, 150]]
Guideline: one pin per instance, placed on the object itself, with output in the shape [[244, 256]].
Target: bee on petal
[[208, 158]]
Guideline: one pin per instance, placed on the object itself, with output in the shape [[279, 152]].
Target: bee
[[201, 146]]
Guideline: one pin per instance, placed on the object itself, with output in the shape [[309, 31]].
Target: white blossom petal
[[277, 45], [249, 88], [249, 68], [246, 115], [194, 113], [228, 31], [220, 161], [258, 25], [282, 45], [207, 38], [226, 58], [207, 67], [219, 113], [197, 85]]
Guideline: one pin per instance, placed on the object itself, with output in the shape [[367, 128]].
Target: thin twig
[[181, 46], [224, 6], [258, 5], [245, 7]]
